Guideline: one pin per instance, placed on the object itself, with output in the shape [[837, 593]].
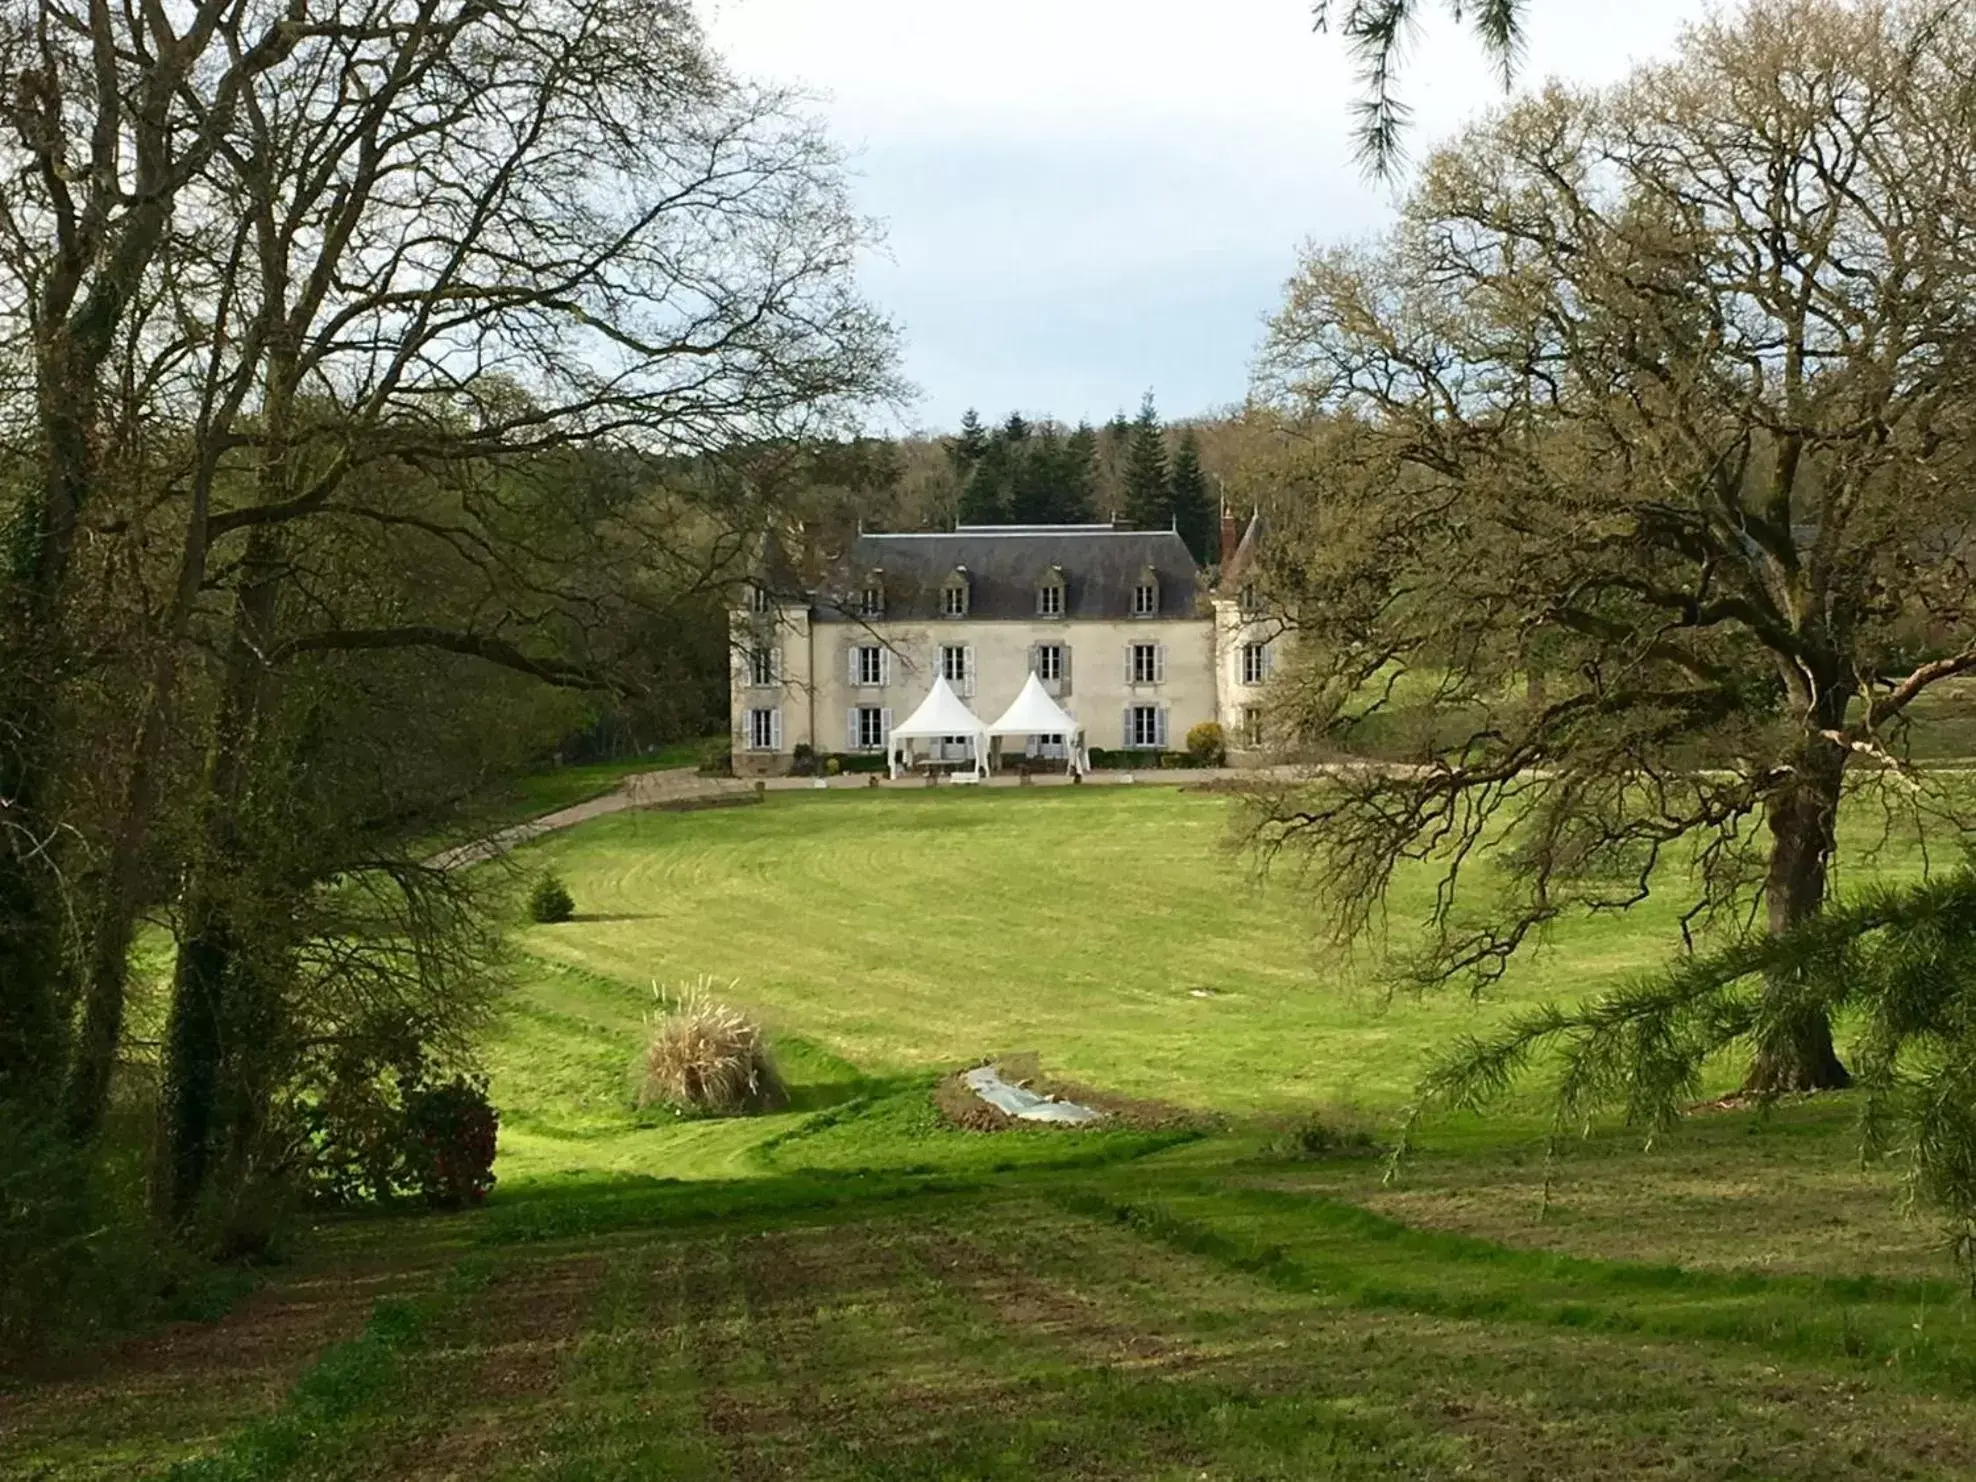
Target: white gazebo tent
[[1034, 713], [940, 715]]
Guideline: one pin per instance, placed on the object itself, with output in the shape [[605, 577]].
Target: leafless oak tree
[[1663, 394]]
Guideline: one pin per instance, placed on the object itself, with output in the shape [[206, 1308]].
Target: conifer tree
[[1148, 495], [966, 450], [1077, 482], [1193, 510]]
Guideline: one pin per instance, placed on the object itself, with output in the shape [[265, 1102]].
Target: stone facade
[[1117, 624]]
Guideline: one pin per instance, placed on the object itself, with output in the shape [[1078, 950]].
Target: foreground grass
[[854, 1289], [1081, 1310]]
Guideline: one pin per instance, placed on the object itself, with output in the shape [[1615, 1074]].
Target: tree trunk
[[1803, 820], [215, 1009]]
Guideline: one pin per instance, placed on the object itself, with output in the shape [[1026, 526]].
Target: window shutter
[[1035, 664], [851, 653], [1125, 728], [885, 724], [1063, 668], [967, 671], [885, 666], [1128, 662], [775, 729], [851, 729], [1268, 660], [1159, 663], [1159, 726]]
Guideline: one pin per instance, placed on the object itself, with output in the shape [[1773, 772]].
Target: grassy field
[[855, 1289]]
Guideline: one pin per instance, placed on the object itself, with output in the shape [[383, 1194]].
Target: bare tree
[[1665, 395], [412, 234]]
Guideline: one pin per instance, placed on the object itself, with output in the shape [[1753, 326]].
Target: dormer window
[[1049, 594], [1251, 600], [761, 599], [953, 594], [871, 598], [1146, 594]]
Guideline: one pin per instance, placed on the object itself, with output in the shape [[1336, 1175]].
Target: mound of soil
[[960, 1107]]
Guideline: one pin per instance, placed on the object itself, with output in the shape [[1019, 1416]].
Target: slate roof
[[1005, 565]]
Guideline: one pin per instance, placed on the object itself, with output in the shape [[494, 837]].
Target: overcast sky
[[1086, 199]]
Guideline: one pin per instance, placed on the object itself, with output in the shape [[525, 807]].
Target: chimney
[[1231, 535]]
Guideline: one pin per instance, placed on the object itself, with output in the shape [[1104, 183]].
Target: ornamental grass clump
[[706, 1058]]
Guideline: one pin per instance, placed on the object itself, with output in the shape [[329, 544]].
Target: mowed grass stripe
[[905, 930]]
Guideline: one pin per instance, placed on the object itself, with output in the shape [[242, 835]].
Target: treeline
[[1139, 472]]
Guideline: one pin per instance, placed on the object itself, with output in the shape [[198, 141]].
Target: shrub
[[1207, 745], [834, 766], [1316, 1138], [802, 761], [709, 1058], [451, 1131], [550, 900]]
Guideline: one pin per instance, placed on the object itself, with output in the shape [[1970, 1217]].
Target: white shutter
[[1128, 661], [885, 724], [775, 729], [851, 729], [1063, 670], [1125, 728], [852, 654], [967, 671], [1268, 660], [1160, 721], [1159, 663], [1034, 662]]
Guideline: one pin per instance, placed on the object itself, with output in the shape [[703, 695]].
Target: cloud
[[1085, 198]]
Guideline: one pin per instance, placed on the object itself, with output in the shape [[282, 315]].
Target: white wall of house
[[819, 681], [770, 710], [1247, 650]]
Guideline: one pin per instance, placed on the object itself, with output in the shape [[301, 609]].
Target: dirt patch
[[960, 1107], [151, 1399]]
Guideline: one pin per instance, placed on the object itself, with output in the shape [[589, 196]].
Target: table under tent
[[1054, 731], [942, 721]]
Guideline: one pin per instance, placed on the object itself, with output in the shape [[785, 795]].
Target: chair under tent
[[942, 718], [1033, 713]]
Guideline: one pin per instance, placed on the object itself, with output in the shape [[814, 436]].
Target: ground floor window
[[1049, 747], [765, 730], [1145, 725], [870, 727], [1252, 725]]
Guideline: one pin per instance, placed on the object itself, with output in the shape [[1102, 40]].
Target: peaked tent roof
[[941, 713], [1034, 713]]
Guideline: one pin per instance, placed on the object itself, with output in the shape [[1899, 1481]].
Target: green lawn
[[854, 1289]]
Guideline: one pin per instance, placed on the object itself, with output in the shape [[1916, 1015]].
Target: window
[[1147, 665], [1049, 662], [761, 665], [1146, 598], [871, 601], [957, 667], [1251, 599], [871, 727], [1255, 663], [764, 730], [1049, 598], [1252, 725], [868, 664], [953, 596], [761, 600], [1145, 726]]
